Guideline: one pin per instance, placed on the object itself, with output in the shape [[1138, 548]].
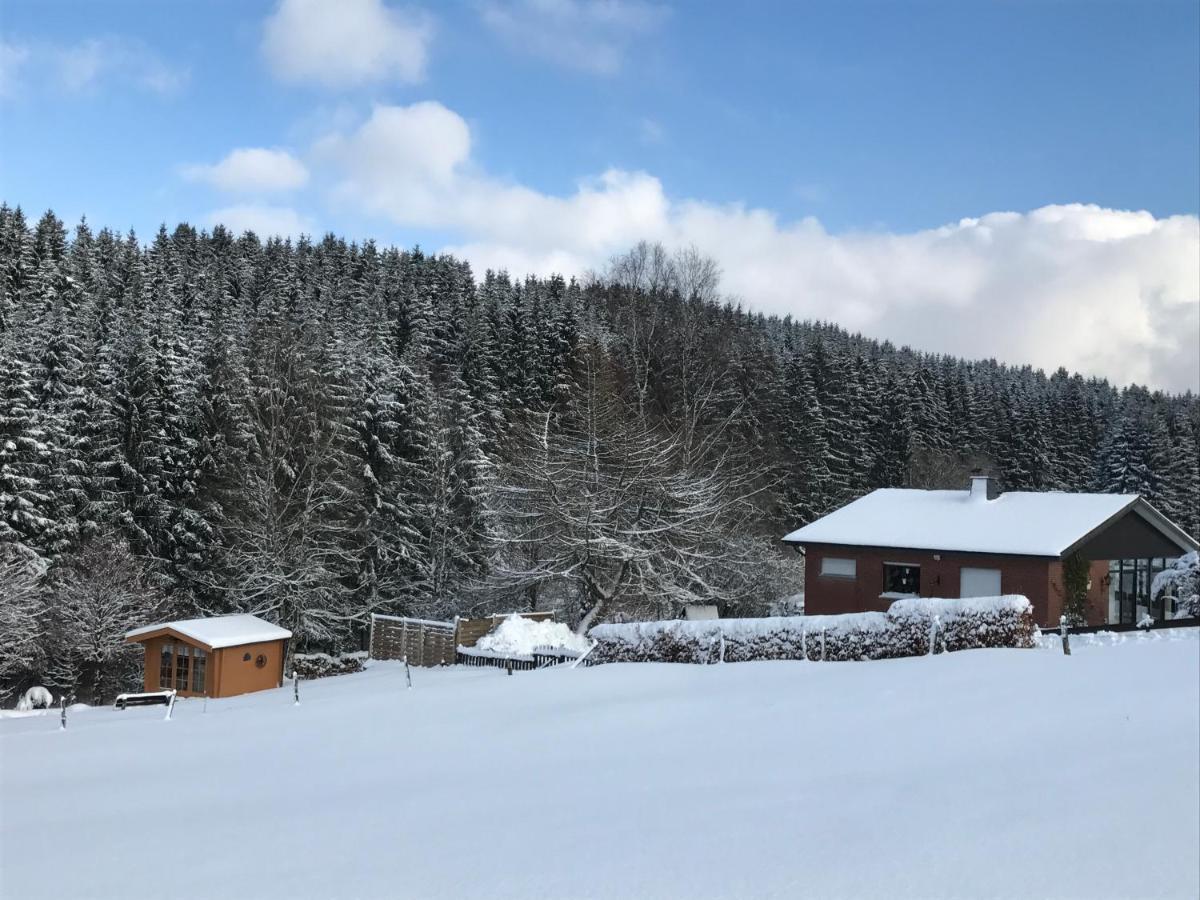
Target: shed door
[[979, 583]]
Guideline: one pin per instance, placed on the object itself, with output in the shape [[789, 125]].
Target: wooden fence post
[[407, 673], [62, 706], [1062, 629], [296, 687]]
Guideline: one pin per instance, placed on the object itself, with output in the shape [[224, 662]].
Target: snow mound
[[519, 636]]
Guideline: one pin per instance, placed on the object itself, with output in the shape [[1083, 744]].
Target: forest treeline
[[315, 430]]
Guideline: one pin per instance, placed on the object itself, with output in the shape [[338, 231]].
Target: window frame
[[852, 576], [890, 591]]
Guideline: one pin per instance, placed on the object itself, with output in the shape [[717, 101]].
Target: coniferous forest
[[315, 430]]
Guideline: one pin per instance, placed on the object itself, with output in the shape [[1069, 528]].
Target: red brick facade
[[1038, 578]]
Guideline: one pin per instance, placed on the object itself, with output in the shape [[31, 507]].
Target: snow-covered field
[[979, 774]]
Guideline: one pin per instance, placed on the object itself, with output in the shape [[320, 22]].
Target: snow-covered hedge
[[319, 665], [904, 630]]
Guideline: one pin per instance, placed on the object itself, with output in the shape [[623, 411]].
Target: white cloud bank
[[1100, 291], [252, 170], [346, 43], [1097, 290]]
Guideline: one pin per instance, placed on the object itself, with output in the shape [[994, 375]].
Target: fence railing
[[1128, 626], [540, 658]]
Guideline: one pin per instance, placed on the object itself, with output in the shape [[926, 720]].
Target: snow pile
[[905, 629], [34, 697], [1182, 583], [519, 636]]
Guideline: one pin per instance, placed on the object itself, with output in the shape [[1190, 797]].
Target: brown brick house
[[896, 543], [222, 656]]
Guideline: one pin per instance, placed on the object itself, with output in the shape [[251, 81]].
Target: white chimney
[[979, 487]]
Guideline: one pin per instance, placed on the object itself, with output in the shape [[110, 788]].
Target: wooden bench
[[153, 698]]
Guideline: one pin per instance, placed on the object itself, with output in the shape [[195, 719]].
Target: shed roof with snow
[[215, 632], [1019, 523]]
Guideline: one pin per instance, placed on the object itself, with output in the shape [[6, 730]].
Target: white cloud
[[591, 35], [89, 65], [347, 42], [12, 58], [265, 221], [252, 170], [1097, 290]]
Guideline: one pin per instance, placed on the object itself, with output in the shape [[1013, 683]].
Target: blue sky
[[826, 153]]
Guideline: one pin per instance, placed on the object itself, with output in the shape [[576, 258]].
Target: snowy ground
[[982, 773]]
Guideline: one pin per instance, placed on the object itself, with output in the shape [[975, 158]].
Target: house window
[[199, 662], [901, 578], [839, 568], [979, 582]]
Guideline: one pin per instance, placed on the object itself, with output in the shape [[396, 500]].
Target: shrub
[[904, 630]]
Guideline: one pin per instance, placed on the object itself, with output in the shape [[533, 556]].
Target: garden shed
[[221, 656]]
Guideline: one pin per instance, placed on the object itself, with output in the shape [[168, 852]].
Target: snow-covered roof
[[217, 631], [1024, 523]]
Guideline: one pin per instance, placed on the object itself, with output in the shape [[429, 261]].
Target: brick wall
[[1033, 577]]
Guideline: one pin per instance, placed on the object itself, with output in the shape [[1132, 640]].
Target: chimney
[[980, 486]]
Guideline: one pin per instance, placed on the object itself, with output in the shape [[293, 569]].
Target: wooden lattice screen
[[422, 641]]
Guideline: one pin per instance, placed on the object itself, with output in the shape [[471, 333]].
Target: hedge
[[904, 630]]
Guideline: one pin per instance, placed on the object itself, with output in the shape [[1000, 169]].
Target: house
[[220, 656], [972, 543]]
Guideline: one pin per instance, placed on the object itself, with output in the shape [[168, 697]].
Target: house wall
[[228, 673], [1097, 601], [237, 675], [1031, 576]]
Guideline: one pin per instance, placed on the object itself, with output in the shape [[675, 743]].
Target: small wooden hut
[[220, 656]]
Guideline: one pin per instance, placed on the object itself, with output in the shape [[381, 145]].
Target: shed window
[[182, 652], [839, 568], [901, 578], [166, 666], [199, 663]]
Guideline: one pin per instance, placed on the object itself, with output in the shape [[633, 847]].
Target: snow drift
[[911, 627]]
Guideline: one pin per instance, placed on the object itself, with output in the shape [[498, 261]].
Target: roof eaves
[[140, 636]]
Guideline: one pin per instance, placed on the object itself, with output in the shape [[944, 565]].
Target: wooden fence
[[422, 641], [428, 643], [471, 630]]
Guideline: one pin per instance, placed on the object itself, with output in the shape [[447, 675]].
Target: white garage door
[[979, 583]]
